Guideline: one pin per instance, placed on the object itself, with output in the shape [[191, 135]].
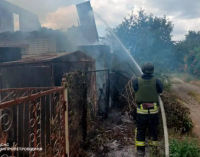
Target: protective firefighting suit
[[147, 88]]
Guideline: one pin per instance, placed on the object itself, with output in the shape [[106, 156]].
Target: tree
[[146, 37], [187, 53]]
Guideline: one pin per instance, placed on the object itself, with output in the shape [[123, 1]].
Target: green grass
[[184, 148]]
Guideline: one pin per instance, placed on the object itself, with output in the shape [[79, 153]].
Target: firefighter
[[147, 88]]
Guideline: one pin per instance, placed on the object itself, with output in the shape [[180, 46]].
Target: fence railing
[[34, 122]]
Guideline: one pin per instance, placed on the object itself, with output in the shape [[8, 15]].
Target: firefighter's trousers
[[146, 119]]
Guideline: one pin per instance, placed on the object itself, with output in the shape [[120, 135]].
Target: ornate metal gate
[[34, 122]]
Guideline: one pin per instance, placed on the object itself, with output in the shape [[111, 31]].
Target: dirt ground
[[183, 90], [116, 139]]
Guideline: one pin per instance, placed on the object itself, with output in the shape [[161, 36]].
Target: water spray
[[124, 48], [140, 73]]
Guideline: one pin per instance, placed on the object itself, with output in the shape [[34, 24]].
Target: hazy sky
[[61, 14]]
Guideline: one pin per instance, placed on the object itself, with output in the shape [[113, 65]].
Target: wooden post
[[65, 95]]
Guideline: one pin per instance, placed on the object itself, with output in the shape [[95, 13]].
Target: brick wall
[[32, 46]]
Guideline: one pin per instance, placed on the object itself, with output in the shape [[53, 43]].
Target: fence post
[[84, 125], [107, 93], [65, 95]]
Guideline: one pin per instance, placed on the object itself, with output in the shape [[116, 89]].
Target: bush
[[184, 148], [164, 76], [188, 79], [177, 115], [193, 63]]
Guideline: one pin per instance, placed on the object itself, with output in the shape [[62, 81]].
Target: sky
[[62, 14]]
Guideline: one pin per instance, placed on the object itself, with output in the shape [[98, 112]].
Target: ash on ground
[[114, 137]]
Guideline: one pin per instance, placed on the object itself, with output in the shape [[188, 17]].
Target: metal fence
[[99, 92], [118, 84], [34, 122]]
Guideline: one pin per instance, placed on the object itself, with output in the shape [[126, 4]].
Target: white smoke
[[63, 18]]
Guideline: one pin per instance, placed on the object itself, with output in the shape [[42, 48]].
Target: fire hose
[[164, 127]]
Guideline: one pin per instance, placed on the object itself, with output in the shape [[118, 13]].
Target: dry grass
[[196, 83], [195, 95], [184, 76], [175, 81], [178, 116]]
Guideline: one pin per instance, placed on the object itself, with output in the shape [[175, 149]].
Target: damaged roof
[[52, 57]]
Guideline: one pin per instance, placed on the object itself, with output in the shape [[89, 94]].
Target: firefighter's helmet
[[148, 68]]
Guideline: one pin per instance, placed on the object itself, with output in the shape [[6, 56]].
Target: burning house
[[37, 42], [86, 32], [33, 39], [87, 22], [42, 70], [46, 55], [27, 20]]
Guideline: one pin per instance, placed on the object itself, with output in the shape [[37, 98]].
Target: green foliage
[[187, 54], [193, 62], [184, 148], [75, 86], [180, 53], [147, 38], [164, 75], [189, 78]]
